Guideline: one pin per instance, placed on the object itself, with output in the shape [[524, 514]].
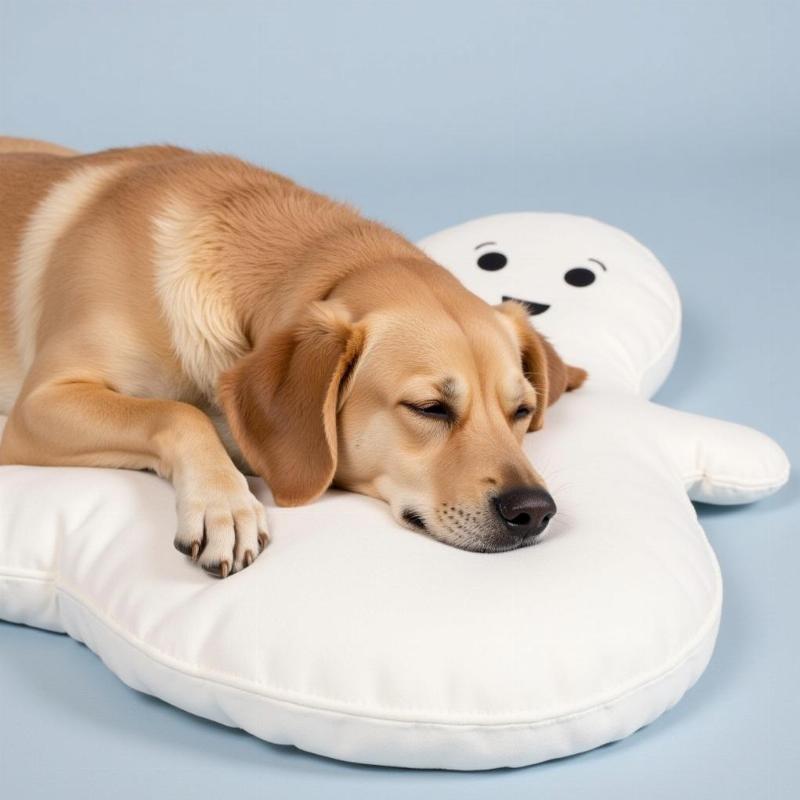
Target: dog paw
[[221, 524]]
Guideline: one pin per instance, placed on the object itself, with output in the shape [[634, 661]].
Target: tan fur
[[550, 376], [12, 144], [196, 298], [51, 220], [174, 311]]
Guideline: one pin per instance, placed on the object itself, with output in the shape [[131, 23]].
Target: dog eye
[[436, 410], [522, 412], [579, 276], [492, 261]]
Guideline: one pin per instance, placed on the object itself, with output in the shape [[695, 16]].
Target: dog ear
[[281, 402], [542, 365]]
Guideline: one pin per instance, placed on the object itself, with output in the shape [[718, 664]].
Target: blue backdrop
[[678, 121]]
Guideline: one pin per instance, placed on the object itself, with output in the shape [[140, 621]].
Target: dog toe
[[219, 569], [222, 528]]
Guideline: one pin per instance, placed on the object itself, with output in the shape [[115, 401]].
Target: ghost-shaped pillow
[[602, 297], [608, 305], [358, 639]]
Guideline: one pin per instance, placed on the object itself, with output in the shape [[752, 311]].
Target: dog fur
[[198, 316]]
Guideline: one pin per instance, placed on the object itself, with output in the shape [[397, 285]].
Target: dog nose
[[525, 511]]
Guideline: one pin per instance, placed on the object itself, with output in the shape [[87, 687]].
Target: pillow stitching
[[163, 660], [725, 482], [229, 680], [26, 574]]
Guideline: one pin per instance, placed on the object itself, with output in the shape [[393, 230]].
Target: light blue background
[[678, 121]]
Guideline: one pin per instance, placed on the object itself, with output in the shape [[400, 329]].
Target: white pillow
[[357, 639]]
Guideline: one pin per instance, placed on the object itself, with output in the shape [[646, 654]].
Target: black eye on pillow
[[492, 261], [579, 276]]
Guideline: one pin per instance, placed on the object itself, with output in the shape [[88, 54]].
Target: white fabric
[[357, 639]]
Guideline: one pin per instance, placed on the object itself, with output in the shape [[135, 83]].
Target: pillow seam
[[224, 679]]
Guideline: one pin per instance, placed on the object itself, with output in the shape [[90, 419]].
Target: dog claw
[[248, 558], [263, 540], [195, 550], [219, 570]]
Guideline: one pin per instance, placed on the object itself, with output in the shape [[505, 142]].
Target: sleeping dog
[[194, 315]]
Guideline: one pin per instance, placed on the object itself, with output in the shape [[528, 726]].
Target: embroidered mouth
[[532, 308]]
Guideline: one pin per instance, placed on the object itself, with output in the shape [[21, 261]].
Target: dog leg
[[220, 523]]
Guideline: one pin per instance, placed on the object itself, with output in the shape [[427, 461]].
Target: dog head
[[420, 396]]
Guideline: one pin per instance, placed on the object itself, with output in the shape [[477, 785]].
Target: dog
[[197, 316]]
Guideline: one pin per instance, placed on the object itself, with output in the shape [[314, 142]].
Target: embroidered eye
[[492, 262], [579, 276], [522, 412]]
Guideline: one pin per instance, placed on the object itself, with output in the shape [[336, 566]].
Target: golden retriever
[[186, 313]]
